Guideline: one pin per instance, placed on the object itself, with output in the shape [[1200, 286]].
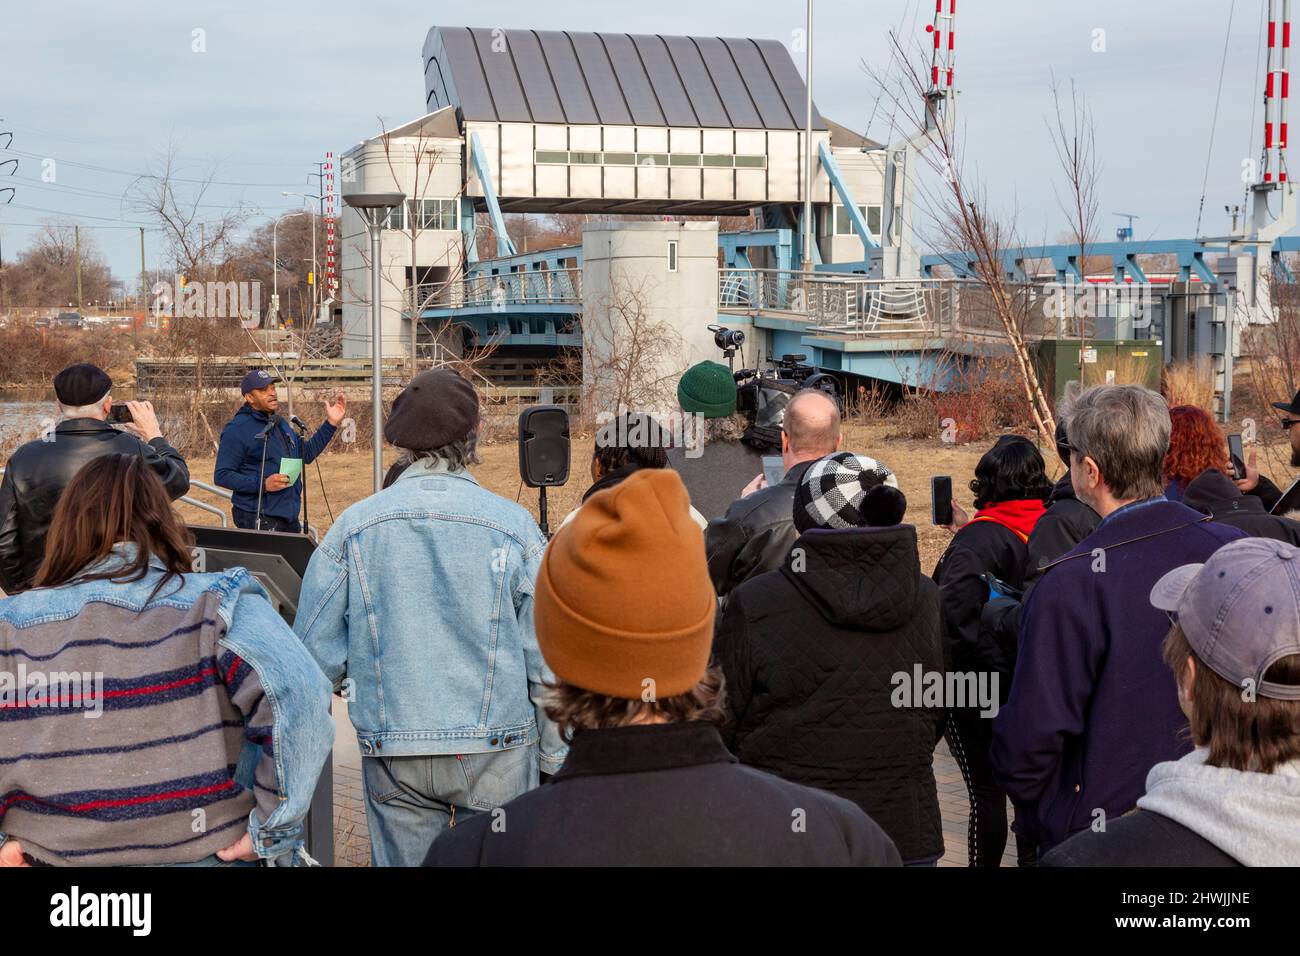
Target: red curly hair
[[1195, 443]]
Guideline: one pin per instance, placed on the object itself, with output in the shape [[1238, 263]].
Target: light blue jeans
[[411, 800]]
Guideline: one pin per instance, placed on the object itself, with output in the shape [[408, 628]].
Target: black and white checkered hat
[[833, 489]]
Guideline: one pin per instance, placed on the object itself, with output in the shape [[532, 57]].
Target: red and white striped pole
[[331, 280], [943, 58], [1277, 83]]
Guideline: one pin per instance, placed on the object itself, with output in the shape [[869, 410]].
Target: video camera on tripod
[[763, 394]]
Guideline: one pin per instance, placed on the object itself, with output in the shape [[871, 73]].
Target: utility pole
[[143, 279], [807, 147], [76, 232]]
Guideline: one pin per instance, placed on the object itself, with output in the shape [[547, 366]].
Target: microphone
[[298, 422], [270, 426]]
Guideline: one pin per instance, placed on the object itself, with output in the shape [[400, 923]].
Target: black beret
[[437, 408], [79, 385]]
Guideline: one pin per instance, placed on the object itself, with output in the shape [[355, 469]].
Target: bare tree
[[627, 351], [1075, 141], [196, 241], [962, 218]]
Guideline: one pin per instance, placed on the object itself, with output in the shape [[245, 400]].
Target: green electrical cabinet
[[1135, 361]]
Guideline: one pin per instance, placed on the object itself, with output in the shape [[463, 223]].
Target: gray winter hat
[[1240, 610]]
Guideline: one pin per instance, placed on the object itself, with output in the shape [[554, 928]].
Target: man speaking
[[261, 460]]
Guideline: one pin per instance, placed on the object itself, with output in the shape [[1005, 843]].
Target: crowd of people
[[699, 667]]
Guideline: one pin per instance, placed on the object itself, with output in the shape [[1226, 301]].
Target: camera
[[763, 394], [729, 340]]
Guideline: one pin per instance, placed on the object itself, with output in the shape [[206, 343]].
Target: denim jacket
[[205, 648], [418, 605]]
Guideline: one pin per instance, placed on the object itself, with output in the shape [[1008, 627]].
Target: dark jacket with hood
[[1092, 706], [980, 547], [1066, 522], [1215, 494], [39, 471], [754, 535], [664, 795], [239, 460], [809, 652]]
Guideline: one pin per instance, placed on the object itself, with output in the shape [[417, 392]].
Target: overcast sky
[[89, 83]]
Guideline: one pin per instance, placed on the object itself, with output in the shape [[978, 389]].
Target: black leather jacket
[[754, 535], [38, 472]]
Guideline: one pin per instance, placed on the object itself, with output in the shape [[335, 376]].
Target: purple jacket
[[1092, 705]]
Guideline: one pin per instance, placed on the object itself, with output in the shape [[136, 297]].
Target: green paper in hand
[[291, 468]]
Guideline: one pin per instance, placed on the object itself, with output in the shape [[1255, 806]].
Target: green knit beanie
[[707, 389]]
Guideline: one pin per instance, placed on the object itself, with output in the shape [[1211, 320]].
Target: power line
[[1209, 153], [140, 175]]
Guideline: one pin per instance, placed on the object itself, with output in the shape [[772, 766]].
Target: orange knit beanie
[[624, 605]]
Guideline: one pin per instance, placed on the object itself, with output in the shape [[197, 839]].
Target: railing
[[213, 509], [851, 305], [539, 287], [858, 306]]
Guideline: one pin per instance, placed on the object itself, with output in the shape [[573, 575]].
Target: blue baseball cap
[[257, 378]]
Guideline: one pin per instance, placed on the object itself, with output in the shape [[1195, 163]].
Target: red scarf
[[1017, 516]]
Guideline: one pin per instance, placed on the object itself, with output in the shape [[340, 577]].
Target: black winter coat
[[980, 547], [664, 795], [1066, 522], [39, 471], [1138, 838], [754, 535], [809, 652], [1215, 494]]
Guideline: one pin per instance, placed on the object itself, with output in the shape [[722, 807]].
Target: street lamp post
[[315, 275], [275, 258], [807, 147], [374, 209]]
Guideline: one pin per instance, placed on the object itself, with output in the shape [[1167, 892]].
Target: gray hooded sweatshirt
[[1253, 817]]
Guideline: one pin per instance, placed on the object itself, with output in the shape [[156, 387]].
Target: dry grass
[[1189, 383], [348, 479]]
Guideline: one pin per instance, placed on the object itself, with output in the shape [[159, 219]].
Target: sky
[[103, 89]]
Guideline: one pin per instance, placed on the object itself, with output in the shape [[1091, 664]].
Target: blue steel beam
[[505, 247], [842, 190]]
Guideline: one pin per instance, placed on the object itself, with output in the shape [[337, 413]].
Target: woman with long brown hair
[[130, 686]]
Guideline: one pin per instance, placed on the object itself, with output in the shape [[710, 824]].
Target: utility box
[[1131, 361]]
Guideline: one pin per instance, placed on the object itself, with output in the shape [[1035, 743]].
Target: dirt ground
[[347, 478]]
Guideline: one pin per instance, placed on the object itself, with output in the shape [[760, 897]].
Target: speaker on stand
[[544, 452]]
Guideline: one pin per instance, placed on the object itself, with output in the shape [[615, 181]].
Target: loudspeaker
[[544, 446]]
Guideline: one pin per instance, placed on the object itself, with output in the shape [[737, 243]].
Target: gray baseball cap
[[1240, 610]]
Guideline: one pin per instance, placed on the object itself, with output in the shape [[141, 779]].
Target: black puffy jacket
[[809, 652], [38, 472], [1215, 494]]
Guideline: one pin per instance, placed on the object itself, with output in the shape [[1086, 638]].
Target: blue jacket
[[418, 605], [240, 454], [1092, 705]]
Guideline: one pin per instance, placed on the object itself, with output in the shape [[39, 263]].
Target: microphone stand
[[302, 442], [261, 474]]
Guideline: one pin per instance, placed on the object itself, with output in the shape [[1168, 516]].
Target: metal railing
[[884, 308], [201, 505], [853, 305], [539, 287]]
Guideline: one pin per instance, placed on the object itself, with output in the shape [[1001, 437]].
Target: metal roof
[[616, 79]]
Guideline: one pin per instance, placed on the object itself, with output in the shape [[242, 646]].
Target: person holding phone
[[757, 530], [40, 470], [1011, 487], [254, 446]]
